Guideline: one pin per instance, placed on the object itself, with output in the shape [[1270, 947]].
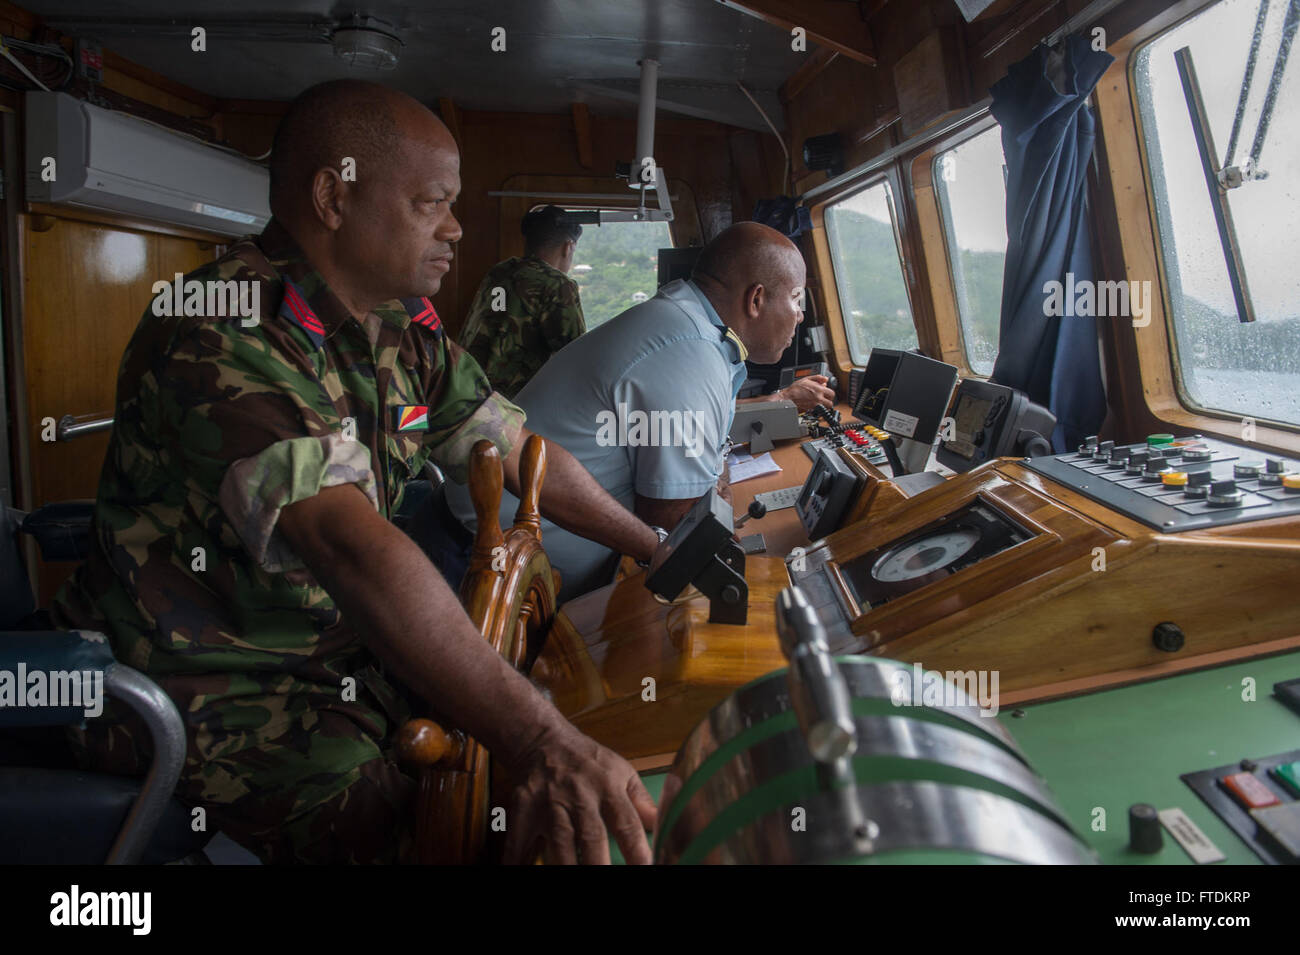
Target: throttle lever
[[756, 509], [818, 690]]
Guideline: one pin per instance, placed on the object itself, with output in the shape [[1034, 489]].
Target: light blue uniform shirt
[[644, 402]]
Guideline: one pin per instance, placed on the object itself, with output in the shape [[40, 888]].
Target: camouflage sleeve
[[255, 430], [464, 409], [255, 490], [563, 321], [475, 336]]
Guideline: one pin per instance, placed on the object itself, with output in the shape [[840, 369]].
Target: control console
[[859, 437], [1179, 484]]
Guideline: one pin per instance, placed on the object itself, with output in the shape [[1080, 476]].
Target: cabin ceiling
[[558, 52]]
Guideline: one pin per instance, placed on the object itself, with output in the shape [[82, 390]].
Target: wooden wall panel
[[85, 286]]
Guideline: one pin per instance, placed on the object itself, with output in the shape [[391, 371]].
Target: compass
[[924, 556]]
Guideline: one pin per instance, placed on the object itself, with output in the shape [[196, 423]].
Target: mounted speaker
[[824, 152]]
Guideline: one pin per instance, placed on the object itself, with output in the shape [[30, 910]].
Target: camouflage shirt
[[514, 331], [218, 427]]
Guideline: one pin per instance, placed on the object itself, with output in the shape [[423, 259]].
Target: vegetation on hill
[[623, 260]]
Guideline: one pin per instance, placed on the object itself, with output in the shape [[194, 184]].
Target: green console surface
[[1110, 749], [1114, 748]]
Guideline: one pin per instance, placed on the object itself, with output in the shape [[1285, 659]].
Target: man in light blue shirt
[[645, 401]]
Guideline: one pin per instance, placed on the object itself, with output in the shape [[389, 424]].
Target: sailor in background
[[527, 309], [645, 401]]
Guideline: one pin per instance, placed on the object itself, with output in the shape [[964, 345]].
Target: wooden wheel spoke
[[509, 592]]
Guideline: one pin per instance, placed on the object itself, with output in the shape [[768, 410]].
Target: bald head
[[748, 253], [754, 276], [364, 177], [329, 122]]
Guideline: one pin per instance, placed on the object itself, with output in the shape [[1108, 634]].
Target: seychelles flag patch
[[411, 418]]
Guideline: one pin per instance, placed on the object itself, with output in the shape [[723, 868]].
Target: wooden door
[[85, 286]]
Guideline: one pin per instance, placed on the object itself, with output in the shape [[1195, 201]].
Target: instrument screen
[[968, 421]]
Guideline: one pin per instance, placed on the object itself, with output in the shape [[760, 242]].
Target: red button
[[1249, 791]]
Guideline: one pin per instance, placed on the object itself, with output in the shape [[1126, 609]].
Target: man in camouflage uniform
[[243, 554], [527, 309]]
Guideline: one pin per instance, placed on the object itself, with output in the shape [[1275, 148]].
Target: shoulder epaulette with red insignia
[[422, 312], [295, 309]]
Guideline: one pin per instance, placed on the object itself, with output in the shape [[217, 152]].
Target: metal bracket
[[723, 582]]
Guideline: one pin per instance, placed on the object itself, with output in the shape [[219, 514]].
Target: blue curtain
[[1048, 134]]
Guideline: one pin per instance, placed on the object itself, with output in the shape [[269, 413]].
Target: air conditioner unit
[[83, 155]]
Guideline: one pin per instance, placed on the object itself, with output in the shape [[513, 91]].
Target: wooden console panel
[[1083, 597], [1072, 608]]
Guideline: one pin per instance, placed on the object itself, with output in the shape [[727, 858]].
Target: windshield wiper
[[1232, 176]]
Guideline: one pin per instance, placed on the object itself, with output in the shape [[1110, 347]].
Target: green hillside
[[624, 260]]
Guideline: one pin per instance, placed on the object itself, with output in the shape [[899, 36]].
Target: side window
[[1252, 116], [616, 265], [970, 182], [862, 232]]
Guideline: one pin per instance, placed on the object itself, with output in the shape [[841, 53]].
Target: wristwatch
[[663, 536]]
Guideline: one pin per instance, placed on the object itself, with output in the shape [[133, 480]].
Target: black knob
[[1276, 466], [730, 594], [756, 509], [1137, 461], [1168, 637], [1199, 477], [1144, 833], [1154, 468]]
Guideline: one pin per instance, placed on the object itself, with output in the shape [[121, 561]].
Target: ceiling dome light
[[366, 47]]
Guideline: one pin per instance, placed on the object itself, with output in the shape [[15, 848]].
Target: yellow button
[[1174, 478], [1291, 482]]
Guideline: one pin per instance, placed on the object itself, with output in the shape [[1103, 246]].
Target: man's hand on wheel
[[808, 393], [572, 790]]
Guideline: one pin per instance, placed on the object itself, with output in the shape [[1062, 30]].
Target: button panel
[[1226, 483]]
